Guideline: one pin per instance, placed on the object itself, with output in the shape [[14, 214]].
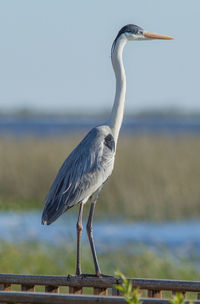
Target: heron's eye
[[108, 137], [139, 32], [109, 142]]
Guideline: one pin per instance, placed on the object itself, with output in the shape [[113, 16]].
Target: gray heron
[[90, 164]]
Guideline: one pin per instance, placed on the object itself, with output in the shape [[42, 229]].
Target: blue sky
[[55, 55]]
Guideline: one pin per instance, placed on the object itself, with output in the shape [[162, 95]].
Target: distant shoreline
[[61, 126]]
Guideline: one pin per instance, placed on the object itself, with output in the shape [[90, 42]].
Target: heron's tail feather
[[51, 213]]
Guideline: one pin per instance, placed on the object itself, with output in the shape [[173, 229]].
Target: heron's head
[[134, 32]]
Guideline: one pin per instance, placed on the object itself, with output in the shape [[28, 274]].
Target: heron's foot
[[98, 275], [69, 276], [84, 275], [78, 273], [81, 275], [102, 275]]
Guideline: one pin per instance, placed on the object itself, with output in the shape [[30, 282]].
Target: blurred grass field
[[34, 258], [155, 177]]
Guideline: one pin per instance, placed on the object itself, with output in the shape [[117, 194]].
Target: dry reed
[[155, 177]]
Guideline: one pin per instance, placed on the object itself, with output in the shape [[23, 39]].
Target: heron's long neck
[[117, 113]]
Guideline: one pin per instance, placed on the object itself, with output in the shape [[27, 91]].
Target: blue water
[[178, 238], [60, 126]]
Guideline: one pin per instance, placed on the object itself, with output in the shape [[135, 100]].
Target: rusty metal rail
[[73, 287]]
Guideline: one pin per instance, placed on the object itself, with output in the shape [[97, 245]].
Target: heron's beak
[[150, 35]]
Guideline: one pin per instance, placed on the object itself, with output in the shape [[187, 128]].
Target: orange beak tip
[[151, 35]]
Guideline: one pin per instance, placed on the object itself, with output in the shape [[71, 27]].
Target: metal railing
[[87, 289]]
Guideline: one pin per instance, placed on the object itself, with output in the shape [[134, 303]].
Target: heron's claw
[[98, 275], [78, 273], [84, 275], [101, 275]]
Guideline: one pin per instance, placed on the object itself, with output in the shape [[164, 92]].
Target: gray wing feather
[[81, 174]]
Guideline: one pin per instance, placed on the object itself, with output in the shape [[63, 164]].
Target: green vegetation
[[131, 295], [34, 258], [155, 177], [178, 299]]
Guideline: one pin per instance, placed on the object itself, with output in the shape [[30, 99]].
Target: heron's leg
[[79, 229], [91, 240]]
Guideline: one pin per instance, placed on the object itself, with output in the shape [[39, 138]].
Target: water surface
[[178, 238], [64, 126]]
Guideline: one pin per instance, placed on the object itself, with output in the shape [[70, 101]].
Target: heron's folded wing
[[80, 175]]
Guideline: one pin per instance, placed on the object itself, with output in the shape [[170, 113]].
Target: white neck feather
[[117, 113]]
